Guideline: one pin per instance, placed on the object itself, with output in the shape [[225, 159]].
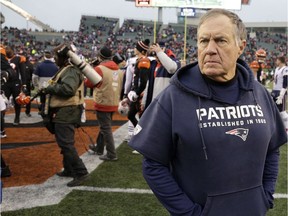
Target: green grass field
[[124, 174]]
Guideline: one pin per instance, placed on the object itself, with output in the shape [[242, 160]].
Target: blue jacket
[[211, 149]]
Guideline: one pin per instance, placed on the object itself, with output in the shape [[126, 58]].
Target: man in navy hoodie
[[211, 139]]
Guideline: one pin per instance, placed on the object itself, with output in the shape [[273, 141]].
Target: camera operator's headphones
[[22, 99]]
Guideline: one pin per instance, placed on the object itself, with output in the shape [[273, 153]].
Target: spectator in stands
[[106, 99], [43, 73], [213, 117]]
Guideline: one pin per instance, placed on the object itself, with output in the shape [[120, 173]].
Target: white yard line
[[115, 190], [280, 196]]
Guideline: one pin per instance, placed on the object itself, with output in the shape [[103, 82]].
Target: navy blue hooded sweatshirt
[[209, 151]]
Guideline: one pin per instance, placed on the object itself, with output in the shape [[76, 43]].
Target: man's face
[[278, 62], [218, 50]]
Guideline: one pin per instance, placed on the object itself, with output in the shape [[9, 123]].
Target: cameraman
[[66, 97]]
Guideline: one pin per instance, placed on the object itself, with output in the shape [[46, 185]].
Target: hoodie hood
[[190, 79]]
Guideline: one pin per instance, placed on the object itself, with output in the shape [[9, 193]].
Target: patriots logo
[[240, 132]]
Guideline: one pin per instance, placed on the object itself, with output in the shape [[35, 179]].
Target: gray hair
[[240, 29]]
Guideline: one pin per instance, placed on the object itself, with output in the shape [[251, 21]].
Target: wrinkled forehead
[[218, 25]]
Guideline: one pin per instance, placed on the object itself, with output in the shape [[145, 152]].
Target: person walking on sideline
[[279, 91], [106, 99], [66, 92]]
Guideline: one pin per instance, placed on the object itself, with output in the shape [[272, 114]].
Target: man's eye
[[203, 41], [221, 41]]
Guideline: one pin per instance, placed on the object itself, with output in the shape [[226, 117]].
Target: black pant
[[28, 93], [72, 163], [134, 108], [13, 88], [105, 137], [2, 126], [3, 164]]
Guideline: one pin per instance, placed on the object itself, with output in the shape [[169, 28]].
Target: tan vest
[[77, 99], [108, 94]]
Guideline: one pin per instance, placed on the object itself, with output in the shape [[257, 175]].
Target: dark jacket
[[208, 154], [66, 87]]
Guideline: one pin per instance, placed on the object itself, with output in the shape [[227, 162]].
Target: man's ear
[[242, 47]]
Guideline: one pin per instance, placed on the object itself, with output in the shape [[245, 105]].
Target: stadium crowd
[[95, 32]]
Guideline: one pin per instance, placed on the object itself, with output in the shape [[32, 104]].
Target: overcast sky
[[66, 14]]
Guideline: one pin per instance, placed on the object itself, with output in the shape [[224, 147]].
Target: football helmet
[[22, 99], [123, 107]]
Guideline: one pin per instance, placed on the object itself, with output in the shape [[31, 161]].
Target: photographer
[[65, 93]]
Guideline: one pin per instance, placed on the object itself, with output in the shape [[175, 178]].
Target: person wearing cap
[[141, 75], [65, 98], [120, 60], [162, 69], [106, 96], [43, 73]]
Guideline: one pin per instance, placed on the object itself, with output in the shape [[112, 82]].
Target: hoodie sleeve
[[153, 134], [270, 175]]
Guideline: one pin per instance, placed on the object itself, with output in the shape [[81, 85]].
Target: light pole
[[27, 23]]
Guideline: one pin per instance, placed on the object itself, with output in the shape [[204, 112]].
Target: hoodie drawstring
[[201, 134]]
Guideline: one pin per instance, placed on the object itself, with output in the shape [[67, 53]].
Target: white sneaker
[[3, 134], [135, 152], [127, 138]]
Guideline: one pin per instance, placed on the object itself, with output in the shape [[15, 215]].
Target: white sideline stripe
[[143, 191], [115, 190], [280, 196]]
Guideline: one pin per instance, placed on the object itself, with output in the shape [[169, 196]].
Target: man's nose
[[211, 47]]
